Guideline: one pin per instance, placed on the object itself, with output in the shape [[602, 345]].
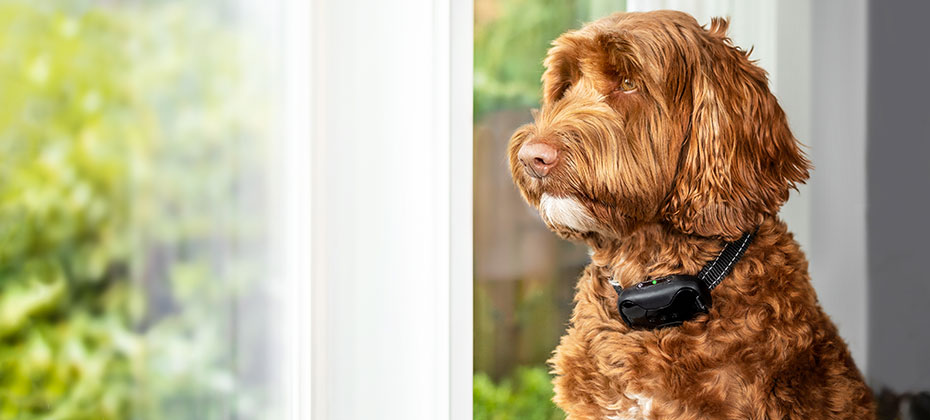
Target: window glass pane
[[134, 195]]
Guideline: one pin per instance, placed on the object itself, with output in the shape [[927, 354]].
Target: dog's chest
[[639, 407]]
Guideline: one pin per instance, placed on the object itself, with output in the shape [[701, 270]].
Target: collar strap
[[714, 272]]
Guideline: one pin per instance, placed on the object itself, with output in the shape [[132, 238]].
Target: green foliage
[[526, 396], [511, 40], [121, 141], [63, 321]]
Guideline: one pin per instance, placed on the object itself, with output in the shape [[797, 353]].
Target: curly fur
[[655, 179]]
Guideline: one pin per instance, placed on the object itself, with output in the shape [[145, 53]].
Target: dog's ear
[[740, 159], [561, 69]]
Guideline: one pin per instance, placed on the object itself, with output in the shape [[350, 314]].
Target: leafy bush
[[525, 396], [122, 141]]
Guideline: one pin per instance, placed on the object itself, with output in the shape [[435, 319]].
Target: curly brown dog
[[657, 142]]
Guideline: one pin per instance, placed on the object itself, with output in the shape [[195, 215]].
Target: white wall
[[838, 183]]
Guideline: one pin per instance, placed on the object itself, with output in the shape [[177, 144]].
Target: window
[[146, 153]]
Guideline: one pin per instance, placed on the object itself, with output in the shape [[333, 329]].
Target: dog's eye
[[627, 85]]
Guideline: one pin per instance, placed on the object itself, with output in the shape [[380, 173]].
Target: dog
[[657, 142]]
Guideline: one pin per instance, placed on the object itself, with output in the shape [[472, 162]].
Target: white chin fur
[[566, 211]]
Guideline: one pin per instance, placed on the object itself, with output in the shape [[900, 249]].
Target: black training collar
[[671, 300]]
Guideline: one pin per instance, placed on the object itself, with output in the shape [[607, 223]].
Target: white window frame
[[388, 227]]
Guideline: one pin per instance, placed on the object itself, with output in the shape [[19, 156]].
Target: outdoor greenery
[[511, 40], [122, 143], [526, 396]]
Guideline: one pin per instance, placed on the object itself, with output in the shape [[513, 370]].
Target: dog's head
[[649, 117]]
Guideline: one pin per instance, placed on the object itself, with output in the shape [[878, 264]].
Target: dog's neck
[[652, 250]]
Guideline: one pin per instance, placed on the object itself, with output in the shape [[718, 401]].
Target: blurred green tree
[[125, 149], [511, 40]]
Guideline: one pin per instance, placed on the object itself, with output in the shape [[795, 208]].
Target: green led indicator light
[[654, 282]]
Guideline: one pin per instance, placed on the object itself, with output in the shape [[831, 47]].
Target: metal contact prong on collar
[[613, 282]]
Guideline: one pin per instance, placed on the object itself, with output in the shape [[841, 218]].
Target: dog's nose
[[538, 158]]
